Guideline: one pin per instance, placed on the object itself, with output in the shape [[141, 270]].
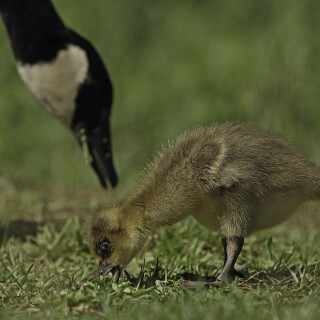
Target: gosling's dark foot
[[197, 278], [193, 281], [187, 284], [239, 274], [230, 275]]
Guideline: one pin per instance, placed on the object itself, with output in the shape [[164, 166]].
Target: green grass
[[53, 274], [174, 65]]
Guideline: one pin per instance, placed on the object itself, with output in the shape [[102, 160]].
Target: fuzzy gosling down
[[233, 179]]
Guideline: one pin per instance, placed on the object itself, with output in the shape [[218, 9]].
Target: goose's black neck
[[30, 25]]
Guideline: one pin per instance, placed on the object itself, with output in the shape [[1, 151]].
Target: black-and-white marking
[[55, 84], [65, 74]]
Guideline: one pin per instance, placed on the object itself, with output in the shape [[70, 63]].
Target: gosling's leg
[[232, 248]]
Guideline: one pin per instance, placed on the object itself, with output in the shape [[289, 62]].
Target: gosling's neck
[[149, 213]]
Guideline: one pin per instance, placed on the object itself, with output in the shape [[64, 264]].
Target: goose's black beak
[[96, 146], [103, 270], [100, 149]]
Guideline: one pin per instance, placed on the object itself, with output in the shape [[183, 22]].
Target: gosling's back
[[234, 178]]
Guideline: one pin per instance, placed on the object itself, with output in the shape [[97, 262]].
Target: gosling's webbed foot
[[239, 274], [220, 280], [197, 278], [193, 281], [232, 248], [230, 275], [187, 284]]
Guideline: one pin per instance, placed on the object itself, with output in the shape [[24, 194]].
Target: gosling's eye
[[104, 248]]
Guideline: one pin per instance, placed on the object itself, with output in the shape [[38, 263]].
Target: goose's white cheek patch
[[55, 84]]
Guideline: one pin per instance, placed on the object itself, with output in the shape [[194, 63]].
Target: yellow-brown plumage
[[233, 179]]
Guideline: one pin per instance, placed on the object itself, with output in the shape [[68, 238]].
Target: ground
[[47, 269]]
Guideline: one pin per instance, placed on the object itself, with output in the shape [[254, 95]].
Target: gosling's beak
[[104, 270]]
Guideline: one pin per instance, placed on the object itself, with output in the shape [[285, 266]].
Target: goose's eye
[[105, 248]]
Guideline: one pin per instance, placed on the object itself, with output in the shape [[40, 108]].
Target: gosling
[[233, 179]]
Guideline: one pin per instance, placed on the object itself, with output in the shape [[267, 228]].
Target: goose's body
[[233, 179], [65, 74]]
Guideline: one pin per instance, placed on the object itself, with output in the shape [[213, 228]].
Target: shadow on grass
[[20, 229]]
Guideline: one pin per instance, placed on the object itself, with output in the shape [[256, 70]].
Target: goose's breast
[[55, 84]]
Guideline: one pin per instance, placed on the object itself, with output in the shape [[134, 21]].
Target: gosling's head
[[115, 238]]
